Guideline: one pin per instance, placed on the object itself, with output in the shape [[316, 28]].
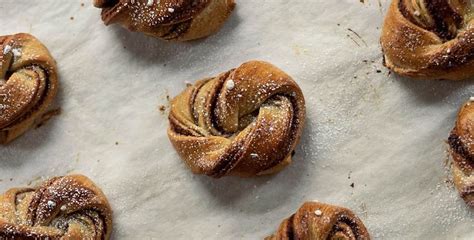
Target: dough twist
[[28, 84], [244, 122], [70, 207], [177, 20], [319, 221], [461, 142], [430, 39]]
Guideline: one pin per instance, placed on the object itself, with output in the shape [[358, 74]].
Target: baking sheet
[[381, 132]]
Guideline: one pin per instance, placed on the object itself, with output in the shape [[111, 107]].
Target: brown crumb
[[72, 18], [352, 185], [167, 97], [47, 116], [379, 71], [116, 143], [11, 179], [82, 4], [162, 108]]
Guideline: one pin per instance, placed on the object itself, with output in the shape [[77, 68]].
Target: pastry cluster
[[243, 122]]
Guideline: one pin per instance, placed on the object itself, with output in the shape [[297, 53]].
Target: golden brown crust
[[244, 122], [461, 143], [429, 39], [28, 84], [319, 221], [70, 207], [175, 20]]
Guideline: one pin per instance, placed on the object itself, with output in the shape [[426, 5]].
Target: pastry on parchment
[[70, 207], [176, 20], [28, 84], [430, 39], [319, 221], [461, 142], [244, 122]]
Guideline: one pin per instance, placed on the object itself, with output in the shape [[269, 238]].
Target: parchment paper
[[381, 132]]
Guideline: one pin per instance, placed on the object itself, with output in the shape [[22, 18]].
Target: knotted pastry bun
[[28, 84], [319, 221], [70, 207], [177, 20], [461, 142], [244, 122], [430, 39]]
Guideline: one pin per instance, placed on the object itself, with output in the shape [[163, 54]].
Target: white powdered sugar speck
[[7, 49], [51, 204], [230, 84], [16, 52], [318, 212]]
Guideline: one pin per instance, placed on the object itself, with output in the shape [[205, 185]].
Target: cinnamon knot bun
[[177, 20], [28, 84], [430, 39], [70, 207], [461, 142], [319, 221], [244, 122]]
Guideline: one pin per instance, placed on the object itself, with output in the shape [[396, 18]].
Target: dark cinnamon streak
[[178, 30], [350, 222], [460, 148], [290, 233], [443, 15]]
